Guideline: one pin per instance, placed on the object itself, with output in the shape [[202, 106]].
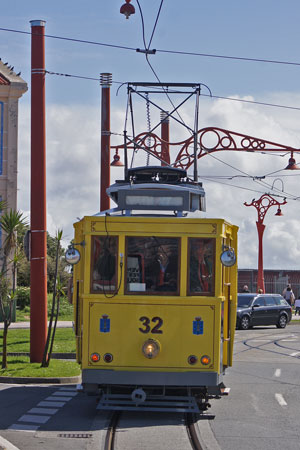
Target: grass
[[19, 340], [65, 311], [20, 366]]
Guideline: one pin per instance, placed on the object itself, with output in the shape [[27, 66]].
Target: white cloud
[[73, 166]]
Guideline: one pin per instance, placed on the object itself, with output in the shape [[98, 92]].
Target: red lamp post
[[262, 205], [38, 260]]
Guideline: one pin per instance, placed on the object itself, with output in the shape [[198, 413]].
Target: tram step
[[151, 403]]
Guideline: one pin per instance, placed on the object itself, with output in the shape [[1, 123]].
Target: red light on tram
[[95, 357], [205, 360], [192, 359], [108, 357]]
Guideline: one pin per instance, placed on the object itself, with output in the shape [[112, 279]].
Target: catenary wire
[[157, 17], [143, 24], [202, 95], [167, 51], [259, 182], [123, 47], [150, 65], [247, 189], [245, 174]]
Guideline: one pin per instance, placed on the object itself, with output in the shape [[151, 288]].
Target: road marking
[[58, 399], [68, 389], [277, 373], [34, 419], [42, 411], [23, 427], [52, 404], [295, 354], [71, 394], [280, 399]]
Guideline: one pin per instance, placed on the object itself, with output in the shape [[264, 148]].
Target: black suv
[[262, 309]]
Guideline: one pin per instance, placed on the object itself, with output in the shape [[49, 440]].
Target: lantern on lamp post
[[262, 205]]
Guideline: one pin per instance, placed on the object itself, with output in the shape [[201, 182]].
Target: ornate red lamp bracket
[[209, 140], [262, 205]]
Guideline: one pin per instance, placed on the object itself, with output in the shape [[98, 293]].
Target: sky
[[235, 40]]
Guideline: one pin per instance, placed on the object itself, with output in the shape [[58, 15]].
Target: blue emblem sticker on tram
[[198, 326], [104, 324]]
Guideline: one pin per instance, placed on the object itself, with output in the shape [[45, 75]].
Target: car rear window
[[282, 301]]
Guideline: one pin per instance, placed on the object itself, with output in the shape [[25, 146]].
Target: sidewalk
[[14, 325]]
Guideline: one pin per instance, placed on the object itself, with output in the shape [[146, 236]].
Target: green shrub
[[23, 297]]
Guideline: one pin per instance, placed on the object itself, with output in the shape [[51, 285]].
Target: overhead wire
[[258, 181], [80, 41], [146, 55], [171, 52], [123, 47], [156, 20], [274, 105], [248, 189]]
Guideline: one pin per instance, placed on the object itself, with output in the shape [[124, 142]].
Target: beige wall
[[10, 92], [9, 97]]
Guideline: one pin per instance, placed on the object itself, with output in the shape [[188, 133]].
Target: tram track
[[111, 431], [189, 421], [266, 340], [193, 431]]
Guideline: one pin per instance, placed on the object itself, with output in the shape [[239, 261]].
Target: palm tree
[[10, 222]]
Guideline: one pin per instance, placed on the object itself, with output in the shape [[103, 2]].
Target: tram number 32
[[148, 327]]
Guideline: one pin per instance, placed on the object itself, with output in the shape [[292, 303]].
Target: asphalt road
[[261, 411]]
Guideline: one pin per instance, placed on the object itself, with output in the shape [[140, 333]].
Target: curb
[[54, 355], [37, 380], [6, 445]]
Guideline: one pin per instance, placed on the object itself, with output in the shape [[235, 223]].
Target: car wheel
[[282, 321], [244, 323]]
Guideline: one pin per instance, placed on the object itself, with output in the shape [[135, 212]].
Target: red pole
[[262, 205], [105, 82], [165, 136], [260, 272], [38, 262]]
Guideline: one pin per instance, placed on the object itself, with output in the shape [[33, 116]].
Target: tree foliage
[[23, 275], [11, 221]]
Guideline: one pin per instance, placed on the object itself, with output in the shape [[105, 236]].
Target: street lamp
[[262, 205]]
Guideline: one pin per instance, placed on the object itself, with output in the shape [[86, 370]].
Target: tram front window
[[201, 266], [104, 263], [152, 265]]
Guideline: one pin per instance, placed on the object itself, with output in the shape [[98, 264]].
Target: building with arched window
[[12, 87]]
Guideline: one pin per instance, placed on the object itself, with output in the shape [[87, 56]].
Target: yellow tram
[[154, 294]]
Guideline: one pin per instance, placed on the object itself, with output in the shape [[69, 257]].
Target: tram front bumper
[[143, 378]]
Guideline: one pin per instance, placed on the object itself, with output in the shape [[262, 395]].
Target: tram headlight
[[205, 360], [151, 348], [95, 357]]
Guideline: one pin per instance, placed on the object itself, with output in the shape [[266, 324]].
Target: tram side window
[[152, 265], [104, 263], [201, 266]]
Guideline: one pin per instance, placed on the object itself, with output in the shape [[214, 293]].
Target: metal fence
[[272, 287]]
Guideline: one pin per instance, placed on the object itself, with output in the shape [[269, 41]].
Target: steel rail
[[193, 431], [111, 431]]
